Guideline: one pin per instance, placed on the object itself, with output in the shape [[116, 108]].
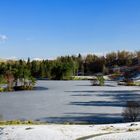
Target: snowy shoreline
[[71, 132]]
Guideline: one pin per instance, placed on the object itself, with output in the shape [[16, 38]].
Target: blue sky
[[50, 28]]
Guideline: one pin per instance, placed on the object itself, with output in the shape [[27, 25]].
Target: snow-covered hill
[[123, 131]]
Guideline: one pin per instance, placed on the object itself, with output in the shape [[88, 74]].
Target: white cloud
[[12, 58], [3, 38], [37, 59]]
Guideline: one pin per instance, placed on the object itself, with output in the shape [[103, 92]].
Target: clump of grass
[[28, 128], [130, 130], [19, 122], [133, 129]]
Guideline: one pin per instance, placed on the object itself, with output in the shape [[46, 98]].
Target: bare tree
[[10, 79], [131, 111]]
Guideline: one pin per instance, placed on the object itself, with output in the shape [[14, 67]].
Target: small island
[[15, 76]]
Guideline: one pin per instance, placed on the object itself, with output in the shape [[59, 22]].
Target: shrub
[[1, 89], [130, 84], [101, 80], [98, 81], [131, 111]]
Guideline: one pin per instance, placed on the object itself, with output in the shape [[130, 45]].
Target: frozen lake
[[73, 101]]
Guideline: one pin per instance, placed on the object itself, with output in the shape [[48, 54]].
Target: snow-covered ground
[[125, 131]]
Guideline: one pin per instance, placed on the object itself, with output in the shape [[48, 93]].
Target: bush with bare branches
[[131, 111]]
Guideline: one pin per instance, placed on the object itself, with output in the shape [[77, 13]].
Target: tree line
[[64, 67]]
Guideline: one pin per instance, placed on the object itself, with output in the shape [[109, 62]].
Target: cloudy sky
[[50, 28]]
